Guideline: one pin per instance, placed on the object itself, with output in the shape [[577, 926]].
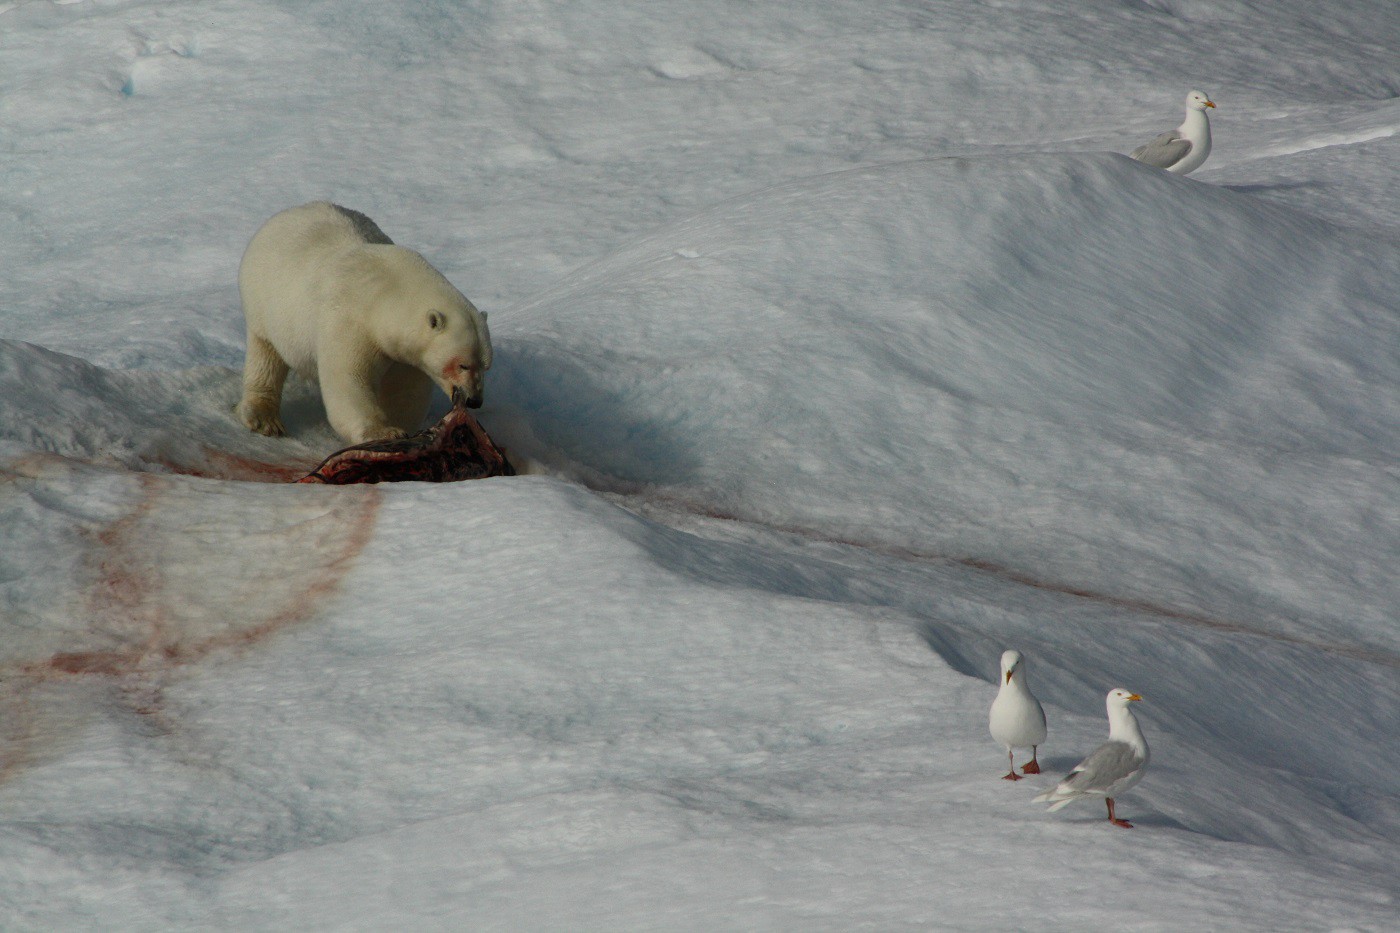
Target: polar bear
[[326, 293]]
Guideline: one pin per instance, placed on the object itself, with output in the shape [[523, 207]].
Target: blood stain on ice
[[166, 587]]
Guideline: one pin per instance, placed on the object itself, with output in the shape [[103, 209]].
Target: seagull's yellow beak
[[1210, 104], [1134, 697], [1008, 677]]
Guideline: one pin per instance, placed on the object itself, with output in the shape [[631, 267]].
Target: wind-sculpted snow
[[802, 462], [1053, 364], [166, 422]]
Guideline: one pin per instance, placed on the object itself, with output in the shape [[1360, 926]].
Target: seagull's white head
[[1121, 698], [1011, 662], [1197, 100]]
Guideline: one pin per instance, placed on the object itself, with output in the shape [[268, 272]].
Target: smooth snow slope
[[1056, 364], [145, 140], [846, 354], [596, 721]]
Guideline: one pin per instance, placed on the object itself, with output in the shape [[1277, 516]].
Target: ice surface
[[845, 352]]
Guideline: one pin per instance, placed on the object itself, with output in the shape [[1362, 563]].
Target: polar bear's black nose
[[460, 397]]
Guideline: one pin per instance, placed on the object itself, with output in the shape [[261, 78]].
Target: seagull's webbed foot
[[1115, 820], [1011, 776]]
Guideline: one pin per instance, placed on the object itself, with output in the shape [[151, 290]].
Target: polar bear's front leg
[[351, 397], [405, 394], [264, 373]]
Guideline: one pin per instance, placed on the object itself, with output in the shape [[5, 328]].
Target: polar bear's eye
[[436, 321]]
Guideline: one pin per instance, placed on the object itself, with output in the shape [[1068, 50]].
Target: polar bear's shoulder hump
[[365, 228], [322, 221]]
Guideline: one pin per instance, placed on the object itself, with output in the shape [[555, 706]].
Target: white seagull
[[1183, 149], [1113, 767], [1016, 720]]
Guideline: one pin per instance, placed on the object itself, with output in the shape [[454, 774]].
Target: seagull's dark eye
[[436, 321]]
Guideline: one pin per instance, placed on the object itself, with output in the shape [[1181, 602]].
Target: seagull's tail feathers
[[1057, 797]]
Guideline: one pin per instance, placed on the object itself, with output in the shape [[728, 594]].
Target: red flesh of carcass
[[455, 448]]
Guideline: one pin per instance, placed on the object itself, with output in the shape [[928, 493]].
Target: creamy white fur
[[327, 294]]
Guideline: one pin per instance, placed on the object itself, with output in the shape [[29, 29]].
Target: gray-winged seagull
[[1110, 769], [1183, 149]]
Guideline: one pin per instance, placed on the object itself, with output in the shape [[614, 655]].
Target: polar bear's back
[[288, 271]]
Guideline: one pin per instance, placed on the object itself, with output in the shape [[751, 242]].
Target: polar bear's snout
[[459, 399], [464, 379]]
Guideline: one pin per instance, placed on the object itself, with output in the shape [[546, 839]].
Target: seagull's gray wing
[[1167, 149], [1108, 764]]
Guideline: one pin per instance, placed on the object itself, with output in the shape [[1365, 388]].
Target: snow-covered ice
[[846, 349]]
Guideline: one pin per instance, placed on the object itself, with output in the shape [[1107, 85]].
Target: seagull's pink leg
[[1011, 775], [1034, 766], [1113, 819]]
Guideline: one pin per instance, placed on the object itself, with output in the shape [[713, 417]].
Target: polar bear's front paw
[[382, 432], [260, 419]]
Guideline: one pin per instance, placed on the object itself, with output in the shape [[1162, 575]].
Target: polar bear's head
[[440, 332], [458, 351]]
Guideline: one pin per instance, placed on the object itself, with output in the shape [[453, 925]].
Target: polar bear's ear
[[436, 320]]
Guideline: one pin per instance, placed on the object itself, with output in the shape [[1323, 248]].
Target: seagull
[[1016, 720], [1110, 769], [1183, 149]]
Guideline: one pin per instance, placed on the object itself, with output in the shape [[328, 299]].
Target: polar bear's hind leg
[[264, 374]]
